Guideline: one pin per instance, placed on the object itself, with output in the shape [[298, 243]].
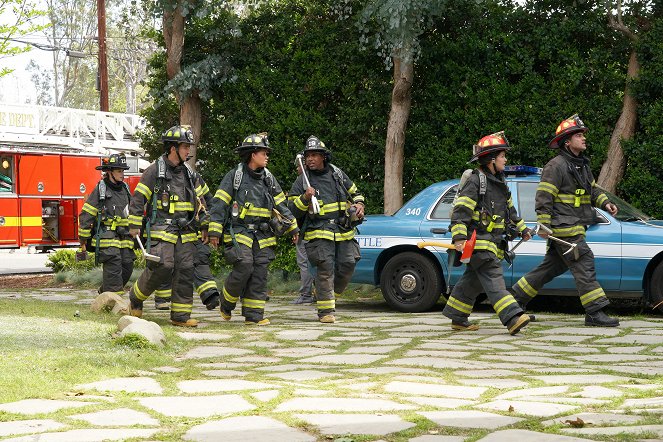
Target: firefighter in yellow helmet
[[565, 201], [484, 205]]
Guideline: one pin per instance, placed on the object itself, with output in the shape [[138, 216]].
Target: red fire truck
[[48, 157]]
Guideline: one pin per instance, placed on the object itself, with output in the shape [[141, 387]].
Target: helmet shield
[[115, 161], [492, 143], [566, 128]]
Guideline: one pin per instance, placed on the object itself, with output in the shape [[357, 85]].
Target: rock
[[147, 329], [109, 301]]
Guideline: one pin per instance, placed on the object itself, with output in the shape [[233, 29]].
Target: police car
[[628, 248]]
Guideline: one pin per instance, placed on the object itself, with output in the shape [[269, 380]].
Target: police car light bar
[[522, 170]]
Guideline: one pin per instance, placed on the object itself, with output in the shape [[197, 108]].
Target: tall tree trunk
[[614, 166], [190, 107], [401, 102]]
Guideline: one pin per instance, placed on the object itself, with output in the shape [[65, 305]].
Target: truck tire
[[411, 283], [655, 295]]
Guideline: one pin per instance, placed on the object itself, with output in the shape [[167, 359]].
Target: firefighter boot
[[263, 321], [523, 306], [304, 299], [135, 308], [464, 326], [188, 323], [226, 314], [328, 319], [517, 322], [600, 319], [212, 301], [161, 303]]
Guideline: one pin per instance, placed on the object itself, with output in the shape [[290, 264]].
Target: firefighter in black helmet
[[168, 193], [565, 201], [104, 212], [249, 211], [331, 208]]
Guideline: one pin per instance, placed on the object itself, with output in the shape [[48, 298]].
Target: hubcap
[[408, 283]]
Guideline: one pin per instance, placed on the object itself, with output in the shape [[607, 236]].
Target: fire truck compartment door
[[68, 220], [31, 220], [9, 222], [79, 175], [39, 175]]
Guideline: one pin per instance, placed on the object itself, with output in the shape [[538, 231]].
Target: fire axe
[[573, 248], [467, 250], [147, 256], [315, 206]]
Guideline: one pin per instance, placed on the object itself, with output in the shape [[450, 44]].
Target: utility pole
[[102, 73]]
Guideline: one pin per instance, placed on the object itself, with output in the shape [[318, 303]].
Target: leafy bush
[[64, 260]]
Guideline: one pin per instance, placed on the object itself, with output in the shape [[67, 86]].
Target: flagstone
[[167, 369], [631, 339], [616, 357], [196, 406], [301, 352], [392, 341], [309, 392], [637, 323], [304, 375], [595, 419], [438, 402], [256, 359], [530, 408], [356, 423], [565, 400], [495, 383], [629, 349], [344, 359], [246, 429], [526, 435], [300, 335], [224, 373], [487, 373], [611, 431], [219, 385], [428, 389], [594, 391], [438, 353], [541, 360], [222, 365], [439, 362], [655, 402], [214, 351], [582, 331], [28, 426], [562, 338], [581, 379], [493, 346], [537, 391], [379, 349], [561, 370], [198, 336], [130, 385], [389, 370], [583, 349], [340, 404], [644, 387], [120, 417], [348, 338], [89, 435], [437, 438], [287, 367], [421, 328], [266, 396], [638, 370], [469, 419], [38, 406]]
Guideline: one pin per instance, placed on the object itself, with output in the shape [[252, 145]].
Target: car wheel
[[410, 282], [655, 294]]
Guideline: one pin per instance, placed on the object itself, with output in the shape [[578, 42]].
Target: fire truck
[[48, 157]]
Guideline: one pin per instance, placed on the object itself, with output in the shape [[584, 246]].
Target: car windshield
[[626, 211]]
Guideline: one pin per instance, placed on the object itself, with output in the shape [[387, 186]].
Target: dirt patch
[[28, 281]]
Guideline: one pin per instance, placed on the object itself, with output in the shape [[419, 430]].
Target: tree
[[614, 166], [21, 19], [397, 26]]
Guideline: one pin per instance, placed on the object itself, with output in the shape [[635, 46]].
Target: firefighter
[[204, 283], [331, 207], [105, 212], [168, 193], [484, 205], [564, 203], [248, 211]]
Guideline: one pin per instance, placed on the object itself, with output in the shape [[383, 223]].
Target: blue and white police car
[[628, 248]]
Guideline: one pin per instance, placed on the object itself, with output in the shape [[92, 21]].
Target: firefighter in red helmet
[[565, 201], [484, 206]]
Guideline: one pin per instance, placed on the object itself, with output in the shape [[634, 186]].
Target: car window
[[443, 207], [526, 195]]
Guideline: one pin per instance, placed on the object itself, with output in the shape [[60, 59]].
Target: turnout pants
[[592, 296], [176, 265], [117, 264], [247, 279], [305, 277], [334, 263], [204, 283], [483, 274]]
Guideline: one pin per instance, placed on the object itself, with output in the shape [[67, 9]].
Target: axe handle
[[423, 244]]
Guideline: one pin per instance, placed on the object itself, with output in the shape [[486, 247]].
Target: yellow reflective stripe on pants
[[458, 305], [228, 297], [182, 308], [166, 293], [591, 296], [325, 305], [241, 239], [206, 286], [253, 303], [568, 231], [528, 289], [503, 303], [139, 295]]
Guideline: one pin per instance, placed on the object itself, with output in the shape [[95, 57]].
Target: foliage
[[19, 18], [286, 256], [135, 341], [64, 260]]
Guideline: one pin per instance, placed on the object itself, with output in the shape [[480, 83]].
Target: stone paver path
[[379, 375]]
